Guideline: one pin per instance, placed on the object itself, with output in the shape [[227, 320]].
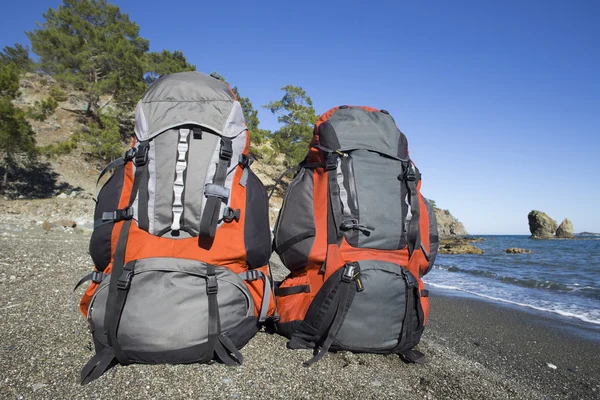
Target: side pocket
[[293, 299], [295, 227], [257, 234], [434, 242], [108, 201]]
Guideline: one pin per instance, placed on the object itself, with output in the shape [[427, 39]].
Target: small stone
[[551, 366], [227, 381], [12, 277], [37, 386]]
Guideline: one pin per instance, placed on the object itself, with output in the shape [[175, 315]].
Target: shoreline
[[521, 343]]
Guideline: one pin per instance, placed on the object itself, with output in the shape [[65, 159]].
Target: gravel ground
[[471, 346]]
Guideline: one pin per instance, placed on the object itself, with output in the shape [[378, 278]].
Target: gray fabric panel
[[182, 98], [199, 158], [164, 173], [357, 128], [374, 319], [167, 306], [378, 192], [296, 218]]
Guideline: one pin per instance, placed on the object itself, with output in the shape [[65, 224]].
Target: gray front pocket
[[166, 309], [377, 316]]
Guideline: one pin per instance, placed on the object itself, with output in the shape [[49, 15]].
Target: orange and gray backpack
[[357, 236], [181, 237]]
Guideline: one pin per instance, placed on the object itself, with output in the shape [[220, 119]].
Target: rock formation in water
[[541, 225], [565, 229]]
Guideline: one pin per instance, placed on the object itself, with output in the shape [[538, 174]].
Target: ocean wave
[[587, 291], [579, 315]]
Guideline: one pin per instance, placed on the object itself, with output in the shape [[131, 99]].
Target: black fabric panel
[[257, 233], [108, 200], [327, 136], [181, 356], [143, 199], [285, 328], [402, 146], [241, 334]]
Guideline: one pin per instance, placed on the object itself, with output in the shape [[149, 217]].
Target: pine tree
[[295, 111]]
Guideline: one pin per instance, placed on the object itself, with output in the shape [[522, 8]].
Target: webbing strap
[[96, 366], [116, 296], [179, 184], [339, 308], [95, 276], [214, 322], [253, 275], [227, 352], [112, 165], [210, 216]]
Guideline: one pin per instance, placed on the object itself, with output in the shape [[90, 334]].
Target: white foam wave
[[556, 311]]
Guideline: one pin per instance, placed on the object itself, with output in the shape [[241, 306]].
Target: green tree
[[164, 63], [295, 111], [257, 135], [17, 55], [16, 135], [95, 47]]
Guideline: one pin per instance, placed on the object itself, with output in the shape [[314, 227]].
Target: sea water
[[562, 276]]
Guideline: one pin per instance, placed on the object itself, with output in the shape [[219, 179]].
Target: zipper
[[347, 161]]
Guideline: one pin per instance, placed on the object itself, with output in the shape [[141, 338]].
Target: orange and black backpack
[[181, 237], [357, 236]]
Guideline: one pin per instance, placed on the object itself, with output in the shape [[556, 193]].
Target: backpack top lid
[[348, 128], [186, 98]]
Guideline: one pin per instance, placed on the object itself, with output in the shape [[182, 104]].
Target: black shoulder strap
[[216, 192]]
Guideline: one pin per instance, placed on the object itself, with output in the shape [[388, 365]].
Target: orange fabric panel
[[350, 254], [424, 227], [86, 299], [318, 252], [257, 289]]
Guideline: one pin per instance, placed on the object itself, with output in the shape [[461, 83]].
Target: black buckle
[[226, 151], [97, 276], [229, 214], [331, 163], [129, 154], [411, 282], [348, 273], [118, 215], [245, 161], [141, 159], [124, 281], [211, 285]]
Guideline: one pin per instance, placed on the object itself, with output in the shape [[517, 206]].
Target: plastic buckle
[[411, 282], [348, 273], [331, 163], [129, 154], [245, 161], [125, 213], [211, 285], [141, 159], [124, 282], [226, 151], [229, 214], [97, 276]]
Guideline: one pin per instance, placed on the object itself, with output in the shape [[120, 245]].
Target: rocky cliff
[[448, 225]]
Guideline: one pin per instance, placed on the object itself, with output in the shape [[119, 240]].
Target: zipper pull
[[359, 284]]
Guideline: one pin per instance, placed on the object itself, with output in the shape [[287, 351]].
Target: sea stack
[[541, 225], [565, 229]]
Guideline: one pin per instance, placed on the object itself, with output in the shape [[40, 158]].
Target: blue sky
[[500, 100]]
